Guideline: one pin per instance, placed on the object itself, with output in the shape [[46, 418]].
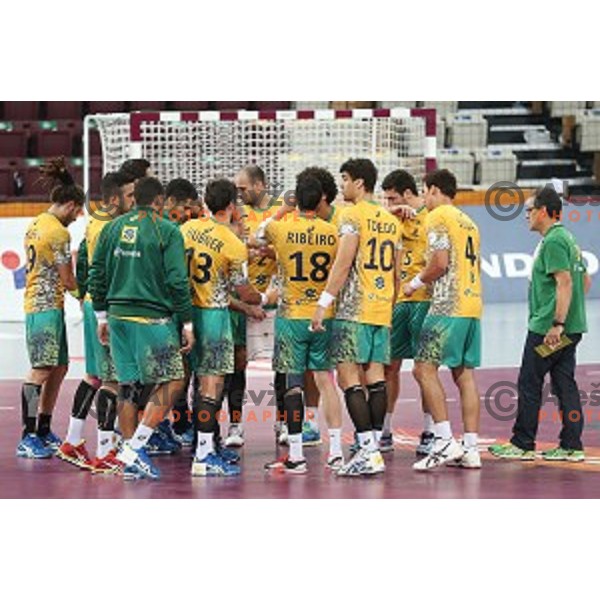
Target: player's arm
[[251, 311], [82, 268], [587, 283], [64, 264], [398, 272], [347, 250], [98, 284], [177, 282], [564, 293]]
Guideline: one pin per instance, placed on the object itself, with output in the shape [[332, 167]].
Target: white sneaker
[[471, 459], [443, 452], [235, 436], [363, 462], [335, 462]]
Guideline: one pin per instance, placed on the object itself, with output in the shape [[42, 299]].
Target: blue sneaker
[[186, 438], [213, 465], [228, 455], [310, 436], [31, 446], [160, 444], [137, 464], [51, 441], [166, 430]]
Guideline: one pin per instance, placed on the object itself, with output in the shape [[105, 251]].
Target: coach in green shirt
[[557, 291]]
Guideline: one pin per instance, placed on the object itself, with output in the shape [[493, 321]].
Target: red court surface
[[20, 478]]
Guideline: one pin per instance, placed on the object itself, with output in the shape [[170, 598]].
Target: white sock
[[443, 430], [205, 445], [387, 423], [295, 442], [75, 431], [377, 435], [141, 436], [105, 443], [335, 442], [470, 440], [367, 440], [428, 423], [312, 417]]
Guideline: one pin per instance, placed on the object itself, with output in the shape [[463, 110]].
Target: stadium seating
[[13, 144], [191, 106], [63, 110], [105, 106], [233, 105], [21, 111], [151, 105]]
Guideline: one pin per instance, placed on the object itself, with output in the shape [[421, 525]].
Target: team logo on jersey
[[129, 234], [379, 283]]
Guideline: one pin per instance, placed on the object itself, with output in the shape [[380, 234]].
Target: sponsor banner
[[507, 249], [12, 268]]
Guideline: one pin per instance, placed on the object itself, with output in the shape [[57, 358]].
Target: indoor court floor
[[503, 331]]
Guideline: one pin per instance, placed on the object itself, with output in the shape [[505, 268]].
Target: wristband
[[101, 317], [188, 326], [75, 293], [326, 300], [556, 323], [416, 283]]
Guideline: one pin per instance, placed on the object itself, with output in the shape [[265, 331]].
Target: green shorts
[[213, 353], [450, 341], [360, 343], [46, 337], [145, 352], [238, 328], [98, 361], [298, 350], [407, 321]]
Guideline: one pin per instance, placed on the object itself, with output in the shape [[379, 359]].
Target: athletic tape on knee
[[358, 408], [377, 403], [83, 399]]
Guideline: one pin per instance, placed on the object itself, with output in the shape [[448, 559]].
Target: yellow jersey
[[262, 269], [458, 292], [47, 245], [306, 247], [414, 248], [368, 293], [92, 233], [336, 213], [217, 259]]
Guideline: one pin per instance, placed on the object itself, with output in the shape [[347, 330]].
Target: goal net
[[201, 146]]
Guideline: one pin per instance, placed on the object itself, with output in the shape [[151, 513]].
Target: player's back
[[216, 259], [47, 245], [368, 293], [458, 292], [306, 247], [260, 269], [93, 230]]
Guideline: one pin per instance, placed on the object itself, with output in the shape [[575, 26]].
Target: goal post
[[201, 146]]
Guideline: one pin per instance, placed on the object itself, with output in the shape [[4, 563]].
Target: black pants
[[561, 366]]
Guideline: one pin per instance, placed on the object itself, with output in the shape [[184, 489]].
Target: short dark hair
[[400, 181], [146, 190], [309, 192], [255, 173], [548, 198], [135, 167], [220, 193], [111, 186], [181, 189], [444, 180], [325, 178], [361, 168]]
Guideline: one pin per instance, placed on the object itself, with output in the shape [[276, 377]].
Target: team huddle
[[169, 283]]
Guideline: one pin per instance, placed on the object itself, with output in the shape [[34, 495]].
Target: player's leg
[[106, 413], [352, 348], [30, 445], [156, 349], [464, 378], [392, 379], [235, 387], [214, 357], [291, 357], [311, 435], [440, 343]]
